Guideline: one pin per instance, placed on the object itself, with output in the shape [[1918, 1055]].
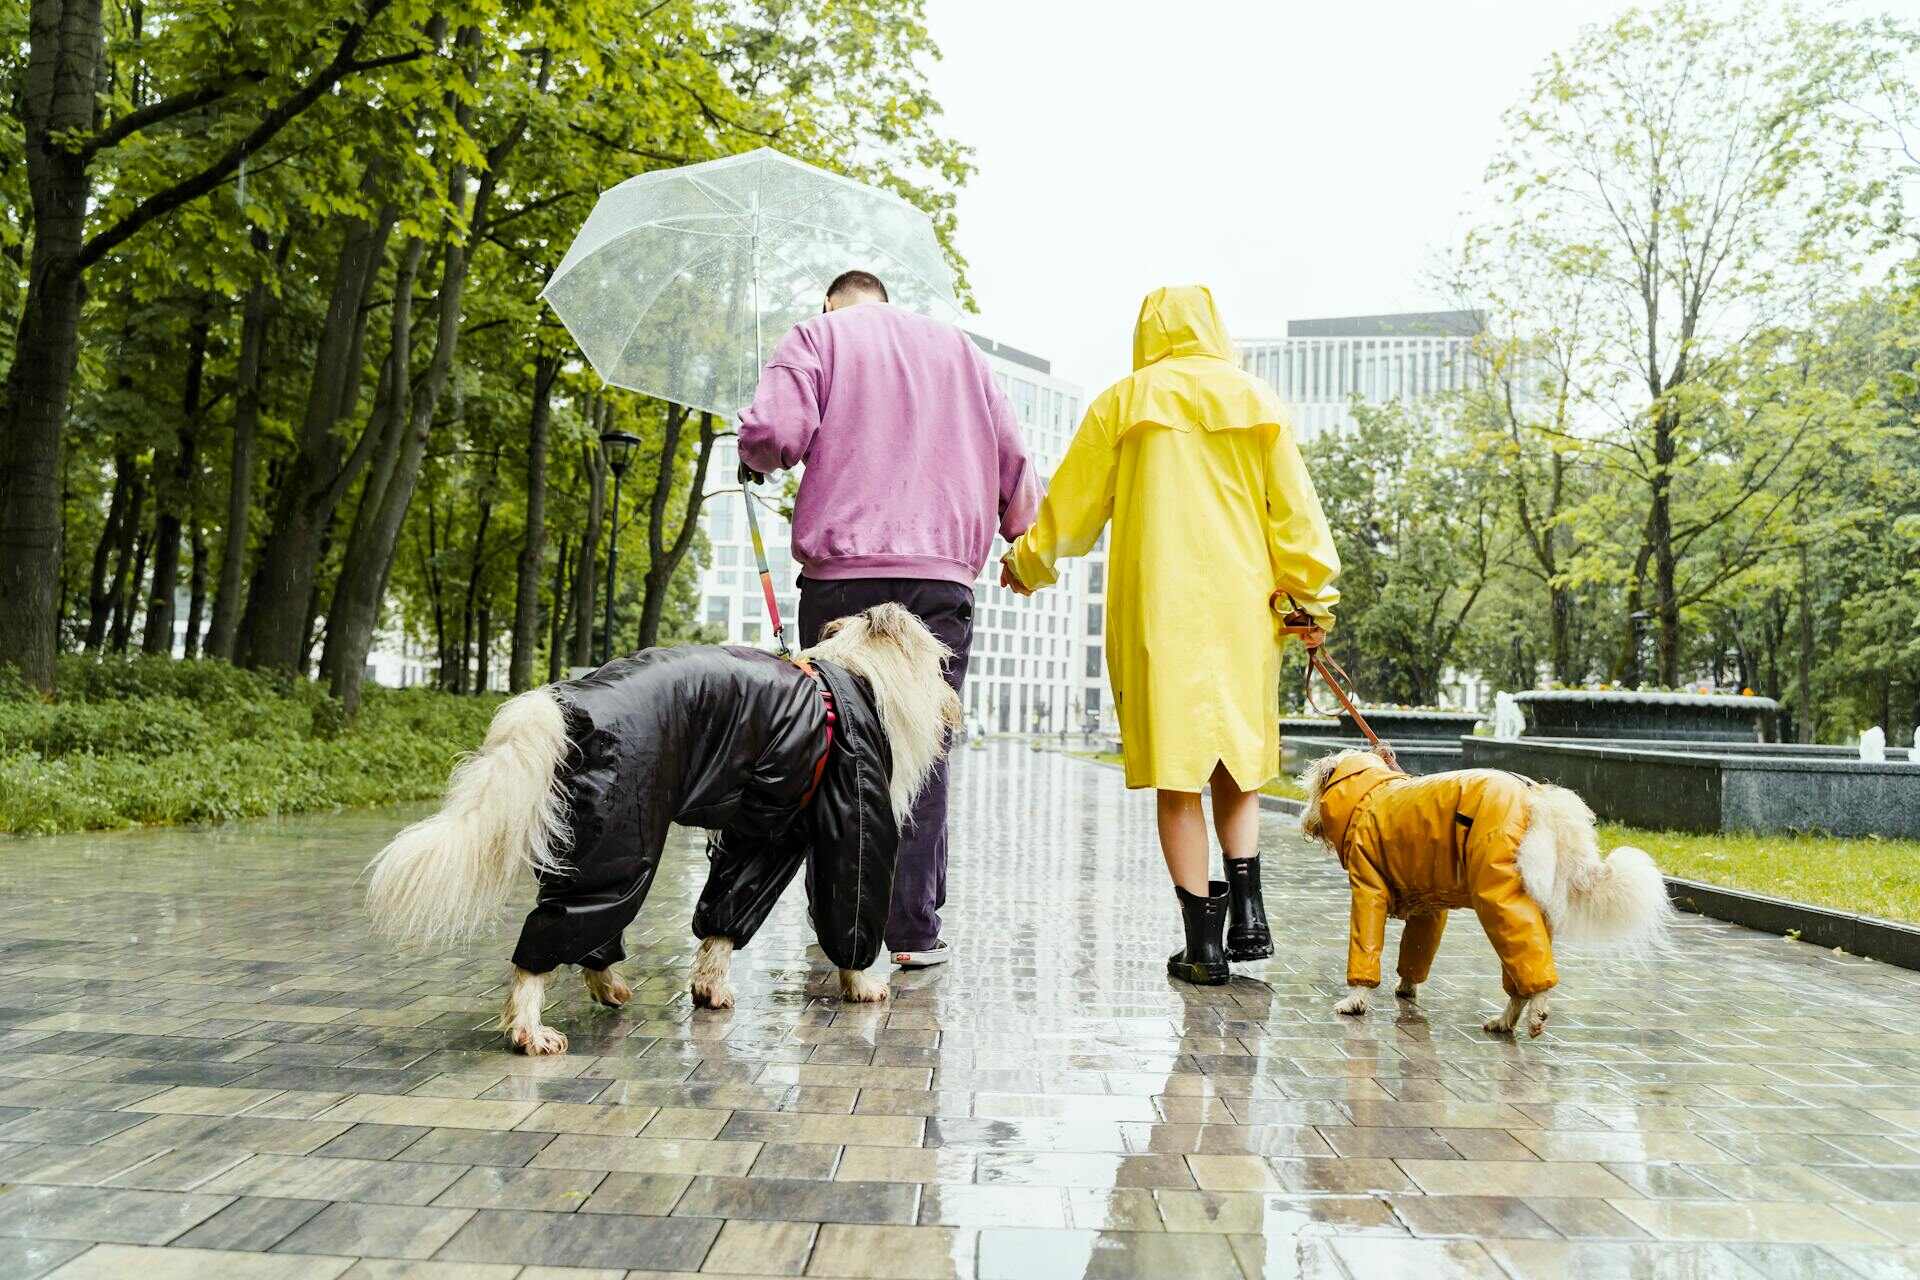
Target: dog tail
[[1620, 900], [446, 878]]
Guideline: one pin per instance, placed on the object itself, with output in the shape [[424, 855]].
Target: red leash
[[1300, 624]]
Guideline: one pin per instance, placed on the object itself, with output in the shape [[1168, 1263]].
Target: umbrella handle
[[766, 571]]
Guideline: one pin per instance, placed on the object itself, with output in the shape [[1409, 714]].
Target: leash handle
[[1299, 624], [766, 570]]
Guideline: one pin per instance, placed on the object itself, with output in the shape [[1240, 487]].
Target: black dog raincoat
[[728, 739]]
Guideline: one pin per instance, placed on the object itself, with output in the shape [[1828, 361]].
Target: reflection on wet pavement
[[211, 1070]]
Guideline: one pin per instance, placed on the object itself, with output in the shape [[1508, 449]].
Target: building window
[[717, 611], [1093, 660], [750, 632], [1093, 619], [1096, 577]]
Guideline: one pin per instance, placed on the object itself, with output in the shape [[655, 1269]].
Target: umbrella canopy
[[683, 280]]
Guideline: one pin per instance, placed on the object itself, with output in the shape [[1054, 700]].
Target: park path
[[211, 1071]]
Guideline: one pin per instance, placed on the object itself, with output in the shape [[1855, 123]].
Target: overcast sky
[[1302, 159]]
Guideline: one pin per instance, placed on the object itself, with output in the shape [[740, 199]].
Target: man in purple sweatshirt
[[913, 462]]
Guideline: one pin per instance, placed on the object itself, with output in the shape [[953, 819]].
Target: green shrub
[[145, 728], [144, 740], [119, 678]]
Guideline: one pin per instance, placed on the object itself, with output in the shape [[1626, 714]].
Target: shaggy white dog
[[1522, 855], [508, 807]]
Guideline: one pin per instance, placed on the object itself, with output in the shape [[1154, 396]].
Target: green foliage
[[235, 750]]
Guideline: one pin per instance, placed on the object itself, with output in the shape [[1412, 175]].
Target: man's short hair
[[862, 281]]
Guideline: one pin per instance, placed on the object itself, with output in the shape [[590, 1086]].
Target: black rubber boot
[[1203, 961], [1248, 937]]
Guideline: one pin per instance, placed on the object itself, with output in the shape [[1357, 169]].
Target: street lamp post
[[618, 446]]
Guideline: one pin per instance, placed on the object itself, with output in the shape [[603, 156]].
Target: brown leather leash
[[1299, 624]]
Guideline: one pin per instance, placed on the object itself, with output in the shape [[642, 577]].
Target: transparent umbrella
[[682, 281]]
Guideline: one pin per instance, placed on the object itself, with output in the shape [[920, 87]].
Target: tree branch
[[165, 109], [164, 202]]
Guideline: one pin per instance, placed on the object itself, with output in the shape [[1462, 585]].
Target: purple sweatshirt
[[913, 457]]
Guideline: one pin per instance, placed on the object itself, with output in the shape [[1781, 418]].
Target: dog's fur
[[1619, 900], [447, 878]]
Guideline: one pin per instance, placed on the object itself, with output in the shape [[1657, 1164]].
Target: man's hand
[[749, 476], [1011, 581]]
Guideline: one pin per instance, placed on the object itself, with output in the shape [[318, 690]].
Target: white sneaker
[[938, 953]]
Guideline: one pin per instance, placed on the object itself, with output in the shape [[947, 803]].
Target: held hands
[[1011, 581]]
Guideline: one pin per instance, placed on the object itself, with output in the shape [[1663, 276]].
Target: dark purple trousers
[[920, 874]]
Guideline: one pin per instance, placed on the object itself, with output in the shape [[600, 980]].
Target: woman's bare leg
[[1183, 840], [1236, 815]]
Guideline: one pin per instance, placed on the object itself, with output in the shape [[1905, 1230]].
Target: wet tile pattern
[[211, 1070]]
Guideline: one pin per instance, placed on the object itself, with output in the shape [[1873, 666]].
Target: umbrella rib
[[833, 233], [647, 307], [720, 198]]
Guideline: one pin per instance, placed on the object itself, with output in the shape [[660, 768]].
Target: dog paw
[[1536, 1019], [857, 987], [1406, 990], [1499, 1024], [708, 994], [608, 987], [1353, 1006], [538, 1041]]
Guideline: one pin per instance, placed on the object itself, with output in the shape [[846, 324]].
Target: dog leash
[[1299, 624], [747, 478]]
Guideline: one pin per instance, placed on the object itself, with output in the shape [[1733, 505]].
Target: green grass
[[146, 741], [1866, 874]]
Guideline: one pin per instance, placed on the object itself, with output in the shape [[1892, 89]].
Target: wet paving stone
[[212, 1069]]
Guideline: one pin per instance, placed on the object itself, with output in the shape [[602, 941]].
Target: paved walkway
[[209, 1071]]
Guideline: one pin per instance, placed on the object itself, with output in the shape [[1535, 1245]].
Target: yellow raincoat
[[1416, 848], [1193, 460]]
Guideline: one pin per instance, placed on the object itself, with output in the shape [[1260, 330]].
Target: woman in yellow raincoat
[[1213, 513]]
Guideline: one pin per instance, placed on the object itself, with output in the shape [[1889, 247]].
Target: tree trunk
[[321, 471], [364, 578], [431, 567], [123, 624], [533, 545], [197, 591], [473, 584], [1803, 719], [482, 661], [586, 571], [1665, 595], [664, 557], [99, 599], [56, 96], [557, 614], [119, 609], [358, 592], [249, 376], [174, 492]]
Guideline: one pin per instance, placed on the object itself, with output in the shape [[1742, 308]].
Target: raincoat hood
[[1180, 320], [1186, 376], [1353, 779]]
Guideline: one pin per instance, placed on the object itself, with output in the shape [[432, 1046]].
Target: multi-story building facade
[[1321, 365], [1026, 670]]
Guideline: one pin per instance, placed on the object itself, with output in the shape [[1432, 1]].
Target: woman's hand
[[1011, 581]]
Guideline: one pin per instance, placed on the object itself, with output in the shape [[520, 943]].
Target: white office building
[[1321, 365], [1026, 672]]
